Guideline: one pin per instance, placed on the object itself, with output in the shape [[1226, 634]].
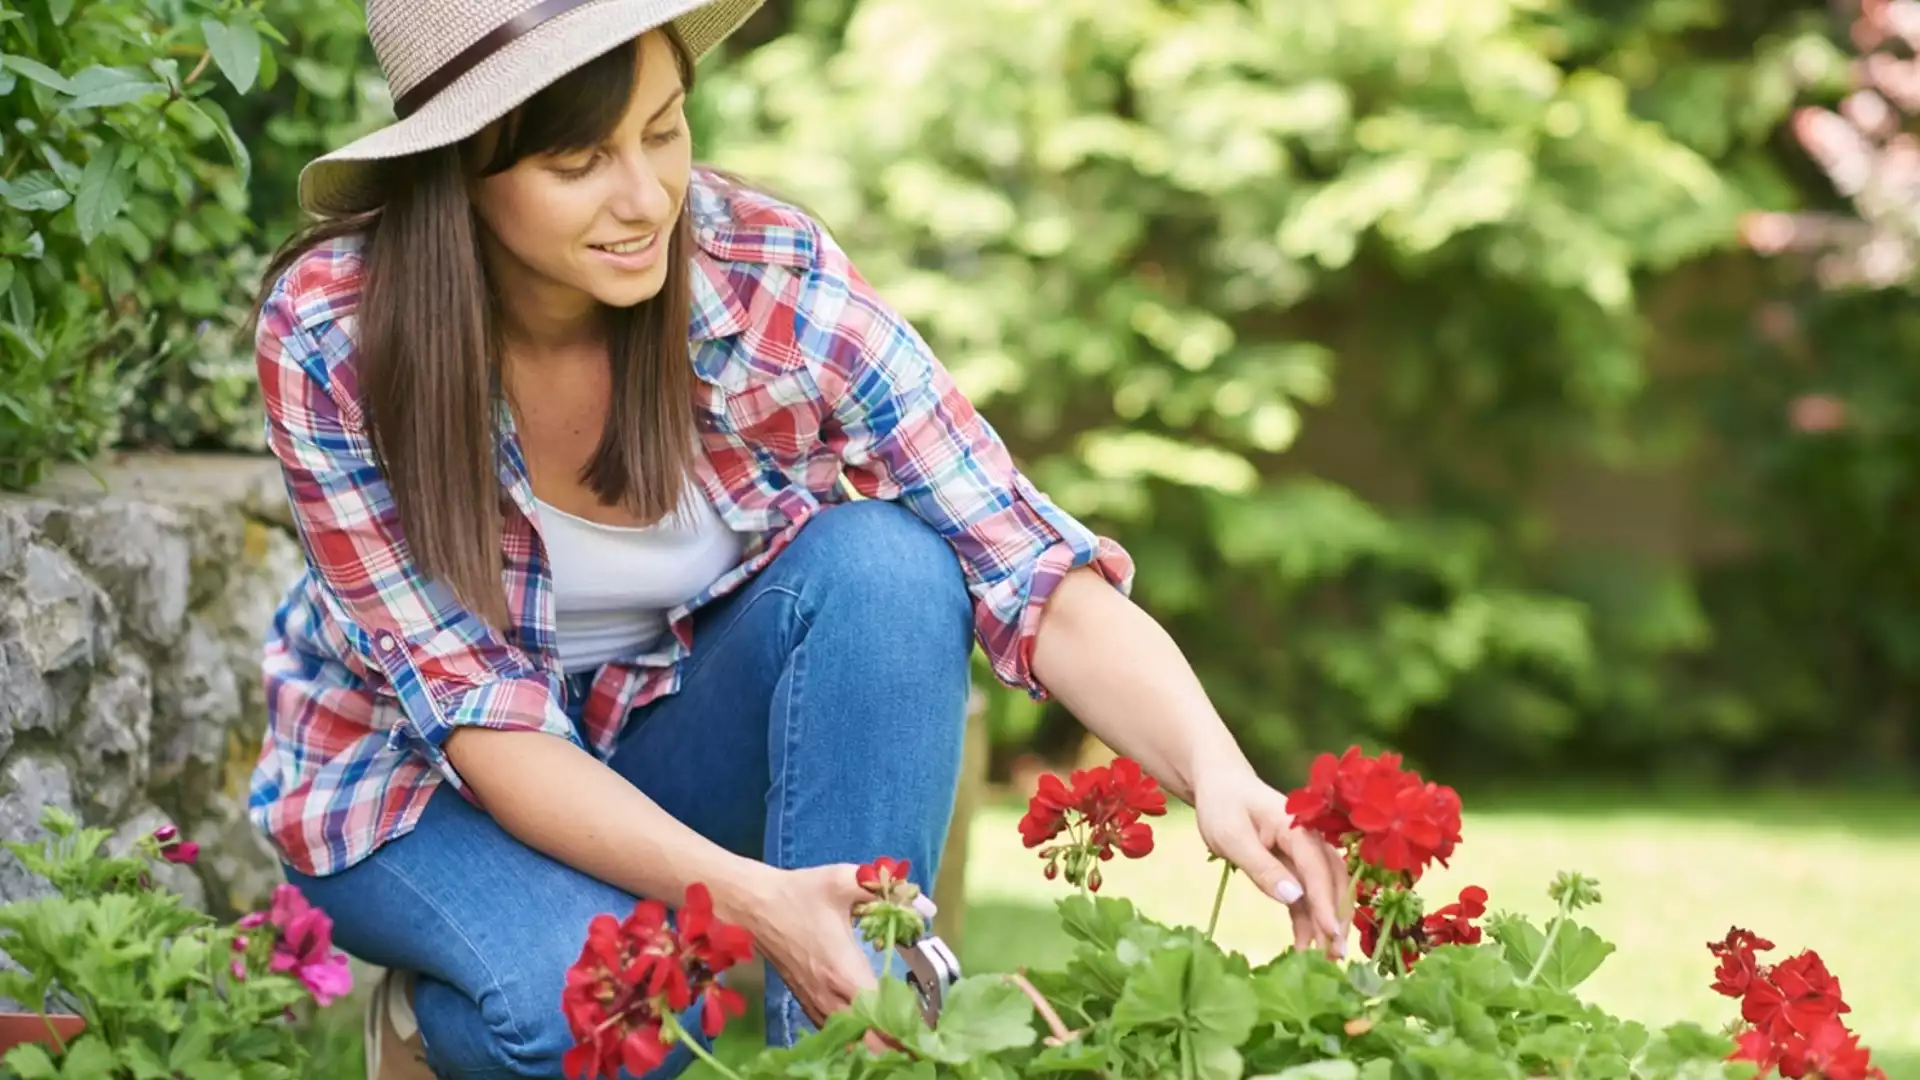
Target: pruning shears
[[932, 969]]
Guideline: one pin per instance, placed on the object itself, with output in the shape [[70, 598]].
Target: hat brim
[[342, 182]]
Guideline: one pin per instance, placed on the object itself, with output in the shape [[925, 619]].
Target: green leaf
[[1156, 993], [1097, 920], [213, 1070], [891, 1007], [38, 191], [1216, 1057], [30, 1061], [1219, 1002], [59, 10], [88, 1058], [37, 71], [223, 126], [192, 1048], [103, 193], [1337, 1069], [236, 50], [124, 93], [1577, 952], [144, 1061], [1189, 989], [20, 298], [983, 1016], [6, 274], [1302, 987], [1075, 1056]]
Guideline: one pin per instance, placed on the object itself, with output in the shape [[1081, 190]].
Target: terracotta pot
[[19, 1029]]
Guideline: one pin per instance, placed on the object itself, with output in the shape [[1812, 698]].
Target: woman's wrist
[[741, 888]]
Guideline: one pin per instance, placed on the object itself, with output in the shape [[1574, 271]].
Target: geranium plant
[[1455, 992], [163, 990]]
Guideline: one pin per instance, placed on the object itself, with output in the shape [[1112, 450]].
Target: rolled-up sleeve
[[905, 432], [447, 667]]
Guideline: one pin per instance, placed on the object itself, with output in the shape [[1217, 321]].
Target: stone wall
[[132, 605]]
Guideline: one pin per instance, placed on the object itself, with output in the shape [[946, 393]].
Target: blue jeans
[[820, 719]]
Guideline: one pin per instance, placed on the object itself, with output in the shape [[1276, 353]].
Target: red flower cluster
[[1451, 925], [1794, 1008], [1395, 820], [1101, 811], [635, 976], [896, 916]]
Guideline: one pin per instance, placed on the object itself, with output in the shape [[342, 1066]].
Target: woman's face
[[597, 224]]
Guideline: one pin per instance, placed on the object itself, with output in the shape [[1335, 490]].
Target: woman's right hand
[[802, 922]]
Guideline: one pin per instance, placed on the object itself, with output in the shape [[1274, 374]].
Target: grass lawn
[[1833, 874]]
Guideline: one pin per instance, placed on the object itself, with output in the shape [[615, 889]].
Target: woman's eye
[[574, 168], [664, 137]]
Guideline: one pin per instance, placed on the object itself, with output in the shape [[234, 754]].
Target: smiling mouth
[[627, 247]]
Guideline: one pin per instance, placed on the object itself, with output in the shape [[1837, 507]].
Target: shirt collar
[[737, 235]]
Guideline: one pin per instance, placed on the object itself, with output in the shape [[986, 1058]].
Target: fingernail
[[925, 906], [1289, 892]]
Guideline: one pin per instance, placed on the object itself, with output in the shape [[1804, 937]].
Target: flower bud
[[166, 834]]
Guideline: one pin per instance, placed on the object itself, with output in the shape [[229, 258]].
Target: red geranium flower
[[882, 875], [633, 974], [1795, 997], [1738, 965], [1402, 822], [1101, 810], [1834, 1053], [1453, 923], [1405, 824]]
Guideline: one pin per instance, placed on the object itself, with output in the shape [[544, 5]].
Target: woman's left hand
[[1246, 822]]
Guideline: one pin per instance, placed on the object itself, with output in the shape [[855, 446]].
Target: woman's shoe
[[394, 1049]]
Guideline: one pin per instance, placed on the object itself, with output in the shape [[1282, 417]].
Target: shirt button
[[386, 642]]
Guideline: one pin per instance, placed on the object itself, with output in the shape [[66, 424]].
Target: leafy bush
[[1154, 242], [126, 185], [163, 990], [1432, 994]]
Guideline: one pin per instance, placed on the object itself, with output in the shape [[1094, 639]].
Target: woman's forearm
[[1116, 670], [562, 801]]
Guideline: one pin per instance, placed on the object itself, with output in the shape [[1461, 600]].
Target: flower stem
[[886, 963], [1060, 1033], [683, 1036], [1546, 950], [1546, 947], [1219, 896]]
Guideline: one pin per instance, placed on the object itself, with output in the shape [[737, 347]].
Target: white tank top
[[613, 585]]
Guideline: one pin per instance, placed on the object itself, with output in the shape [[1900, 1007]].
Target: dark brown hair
[[428, 348]]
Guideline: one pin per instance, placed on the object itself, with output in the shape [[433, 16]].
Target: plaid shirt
[[805, 377]]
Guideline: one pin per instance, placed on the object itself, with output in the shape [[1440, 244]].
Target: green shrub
[[125, 183]]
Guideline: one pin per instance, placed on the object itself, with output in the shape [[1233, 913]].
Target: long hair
[[428, 346]]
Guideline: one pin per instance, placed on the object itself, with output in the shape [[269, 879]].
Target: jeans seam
[[706, 647], [787, 713], [506, 1002]]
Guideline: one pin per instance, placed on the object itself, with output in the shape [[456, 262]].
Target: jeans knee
[[884, 558]]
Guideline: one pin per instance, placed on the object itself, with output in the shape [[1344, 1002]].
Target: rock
[[13, 539], [63, 619], [27, 786], [178, 878], [111, 745], [238, 865], [197, 699], [140, 552], [26, 702]]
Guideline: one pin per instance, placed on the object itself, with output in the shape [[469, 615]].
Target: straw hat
[[455, 66]]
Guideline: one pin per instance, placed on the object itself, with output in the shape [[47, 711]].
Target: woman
[[588, 616]]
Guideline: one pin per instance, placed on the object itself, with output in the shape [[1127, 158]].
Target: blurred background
[[1526, 385]]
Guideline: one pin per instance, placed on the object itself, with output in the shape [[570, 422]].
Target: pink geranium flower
[[304, 946]]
